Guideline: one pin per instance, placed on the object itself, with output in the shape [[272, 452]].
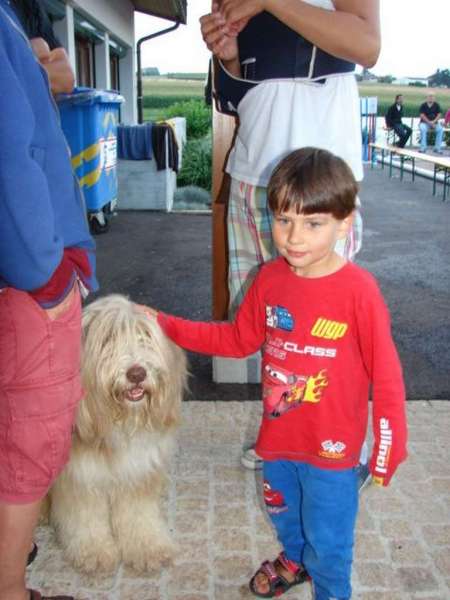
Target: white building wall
[[115, 16]]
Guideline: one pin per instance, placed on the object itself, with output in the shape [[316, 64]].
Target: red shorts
[[40, 389]]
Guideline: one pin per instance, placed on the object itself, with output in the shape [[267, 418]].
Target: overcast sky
[[415, 39]]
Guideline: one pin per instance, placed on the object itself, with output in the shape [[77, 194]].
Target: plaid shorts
[[249, 228], [40, 389]]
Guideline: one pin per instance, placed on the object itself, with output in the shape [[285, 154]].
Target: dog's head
[[133, 375]]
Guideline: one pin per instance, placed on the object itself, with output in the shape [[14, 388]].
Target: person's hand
[[378, 481], [56, 311], [217, 36], [57, 64], [150, 312], [237, 13], [60, 73], [40, 48]]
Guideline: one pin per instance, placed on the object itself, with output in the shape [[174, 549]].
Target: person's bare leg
[[17, 524]]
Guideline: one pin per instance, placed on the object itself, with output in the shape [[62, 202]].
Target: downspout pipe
[[140, 105]]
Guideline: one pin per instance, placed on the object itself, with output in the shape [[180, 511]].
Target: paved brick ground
[[403, 534]]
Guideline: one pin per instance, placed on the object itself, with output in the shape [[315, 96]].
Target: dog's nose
[[136, 374]]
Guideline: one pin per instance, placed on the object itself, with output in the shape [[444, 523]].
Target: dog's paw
[[100, 558], [151, 559]]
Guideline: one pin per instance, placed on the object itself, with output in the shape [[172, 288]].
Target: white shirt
[[281, 115]]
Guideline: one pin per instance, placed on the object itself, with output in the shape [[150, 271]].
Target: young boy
[[325, 334]]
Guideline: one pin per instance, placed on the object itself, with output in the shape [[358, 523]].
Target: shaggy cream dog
[[105, 506]]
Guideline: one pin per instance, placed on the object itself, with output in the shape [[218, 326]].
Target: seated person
[[430, 113], [393, 120], [447, 119]]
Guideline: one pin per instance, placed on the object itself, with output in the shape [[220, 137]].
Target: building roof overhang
[[173, 10]]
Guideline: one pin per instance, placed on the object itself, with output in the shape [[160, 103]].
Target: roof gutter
[[140, 106]]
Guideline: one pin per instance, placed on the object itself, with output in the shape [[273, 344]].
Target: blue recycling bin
[[89, 119]]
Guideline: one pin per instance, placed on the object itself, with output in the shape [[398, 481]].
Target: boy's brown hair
[[312, 180]]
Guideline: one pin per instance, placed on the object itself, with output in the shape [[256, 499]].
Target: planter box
[[141, 186]]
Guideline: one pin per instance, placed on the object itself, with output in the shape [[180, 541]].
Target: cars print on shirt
[[279, 318], [284, 391]]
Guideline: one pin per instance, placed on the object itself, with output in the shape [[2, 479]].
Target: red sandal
[[34, 595], [277, 583]]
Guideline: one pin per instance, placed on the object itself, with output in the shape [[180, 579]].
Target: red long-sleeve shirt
[[325, 341]]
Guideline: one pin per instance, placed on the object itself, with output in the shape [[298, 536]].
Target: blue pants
[[424, 128], [314, 512], [403, 132]]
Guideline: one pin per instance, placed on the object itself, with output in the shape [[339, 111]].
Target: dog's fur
[[105, 506]]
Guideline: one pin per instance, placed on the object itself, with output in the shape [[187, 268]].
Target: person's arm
[[388, 395], [438, 114], [30, 250], [351, 32], [423, 117], [244, 336], [388, 117], [431, 122]]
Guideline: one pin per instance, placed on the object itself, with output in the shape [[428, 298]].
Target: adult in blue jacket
[[46, 257]]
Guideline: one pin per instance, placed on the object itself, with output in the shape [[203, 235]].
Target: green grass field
[[164, 87], [413, 96], [161, 86]]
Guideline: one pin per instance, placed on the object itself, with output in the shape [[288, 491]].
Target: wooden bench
[[391, 136], [441, 164]]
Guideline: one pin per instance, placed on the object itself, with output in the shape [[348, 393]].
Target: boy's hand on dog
[[148, 310]]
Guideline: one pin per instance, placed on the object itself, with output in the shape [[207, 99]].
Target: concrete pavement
[[165, 260], [216, 516]]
